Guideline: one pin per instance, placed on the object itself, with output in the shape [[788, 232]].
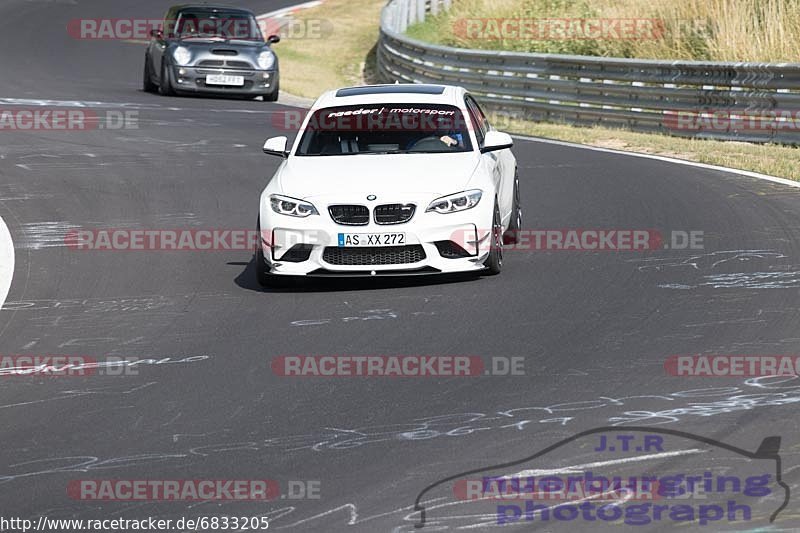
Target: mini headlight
[[293, 207], [266, 59], [460, 201], [182, 55]]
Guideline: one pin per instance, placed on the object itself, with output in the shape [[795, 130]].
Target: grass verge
[[342, 54], [716, 30], [311, 66]]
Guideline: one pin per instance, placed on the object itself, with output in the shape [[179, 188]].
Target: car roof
[[396, 93], [210, 7]]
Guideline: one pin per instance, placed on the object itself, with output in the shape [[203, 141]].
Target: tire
[[494, 263], [164, 85], [147, 81], [511, 235], [273, 95]]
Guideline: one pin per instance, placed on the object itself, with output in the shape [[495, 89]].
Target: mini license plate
[[224, 79]]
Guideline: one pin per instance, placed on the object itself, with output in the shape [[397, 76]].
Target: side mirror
[[496, 140], [276, 146], [157, 34], [274, 39]]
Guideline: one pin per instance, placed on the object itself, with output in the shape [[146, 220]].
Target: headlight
[[291, 206], [266, 59], [460, 201], [182, 55]]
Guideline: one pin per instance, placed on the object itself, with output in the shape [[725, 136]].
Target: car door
[[500, 162]]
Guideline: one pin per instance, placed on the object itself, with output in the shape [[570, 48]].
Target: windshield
[[221, 24], [385, 129]]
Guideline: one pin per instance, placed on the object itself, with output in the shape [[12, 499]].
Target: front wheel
[[147, 82], [494, 263], [164, 85]]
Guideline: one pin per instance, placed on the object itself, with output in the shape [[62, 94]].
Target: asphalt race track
[[594, 328]]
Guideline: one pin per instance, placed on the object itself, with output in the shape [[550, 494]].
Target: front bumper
[[310, 246], [193, 80]]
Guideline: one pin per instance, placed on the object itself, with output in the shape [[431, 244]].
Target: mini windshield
[[221, 24], [385, 129]]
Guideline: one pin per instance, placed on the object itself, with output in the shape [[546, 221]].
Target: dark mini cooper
[[212, 50]]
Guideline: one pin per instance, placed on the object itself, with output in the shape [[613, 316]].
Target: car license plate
[[224, 79], [371, 239]]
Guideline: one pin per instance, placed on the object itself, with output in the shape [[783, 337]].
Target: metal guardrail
[[755, 102]]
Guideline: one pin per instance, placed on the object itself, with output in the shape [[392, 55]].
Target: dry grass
[[310, 66], [719, 30]]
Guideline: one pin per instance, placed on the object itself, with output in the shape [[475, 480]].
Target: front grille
[[218, 63], [349, 215], [224, 52], [394, 213], [377, 255], [451, 250], [243, 73], [239, 64]]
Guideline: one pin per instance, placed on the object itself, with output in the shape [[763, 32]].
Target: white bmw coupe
[[389, 180]]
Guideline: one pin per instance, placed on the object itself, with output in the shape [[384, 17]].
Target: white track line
[[577, 469], [774, 179], [6, 261], [279, 13]]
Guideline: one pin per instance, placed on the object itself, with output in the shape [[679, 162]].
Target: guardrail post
[[420, 10], [434, 7], [402, 22], [412, 12], [389, 17]]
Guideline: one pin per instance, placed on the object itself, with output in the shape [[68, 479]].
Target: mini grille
[[239, 64], [349, 215], [394, 213], [389, 255]]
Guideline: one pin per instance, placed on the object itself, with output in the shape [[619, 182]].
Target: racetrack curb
[[6, 261]]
